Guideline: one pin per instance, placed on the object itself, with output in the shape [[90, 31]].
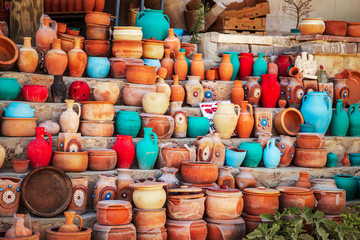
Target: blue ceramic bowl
[[234, 157], [19, 110], [179, 32], [97, 67], [354, 159], [197, 126], [152, 62]]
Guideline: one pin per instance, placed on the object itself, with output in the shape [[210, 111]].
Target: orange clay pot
[[303, 181], [245, 122], [177, 91], [141, 74], [199, 172], [77, 60], [127, 49], [114, 212], [330, 201], [237, 92], [181, 66], [168, 63], [97, 48], [261, 200], [295, 196], [195, 230], [28, 57], [56, 59], [197, 66], [310, 140], [172, 42], [313, 158], [210, 75], [225, 68], [149, 218]]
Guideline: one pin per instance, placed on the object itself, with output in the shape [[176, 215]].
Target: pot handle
[[267, 144], [138, 16], [176, 35], [75, 103], [251, 109], [239, 110], [155, 138], [4, 109], [167, 18], [304, 98], [328, 99], [81, 223], [350, 110], [172, 52], [50, 138]]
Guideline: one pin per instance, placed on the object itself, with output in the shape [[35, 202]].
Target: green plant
[[199, 21]]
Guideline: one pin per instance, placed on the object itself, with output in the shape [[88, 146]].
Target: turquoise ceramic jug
[[127, 123], [271, 155], [187, 60], [97, 67], [340, 121], [260, 66], [253, 155], [354, 117], [234, 58], [317, 110], [154, 24], [10, 88], [147, 150]]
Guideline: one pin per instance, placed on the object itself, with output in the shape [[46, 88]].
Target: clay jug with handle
[[69, 225], [45, 36], [168, 63], [225, 119], [39, 150], [69, 120], [18, 230], [172, 42], [245, 123]]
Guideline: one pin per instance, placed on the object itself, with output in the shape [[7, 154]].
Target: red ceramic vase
[[270, 90], [79, 91], [39, 151], [125, 151], [283, 62], [35, 93], [246, 65]]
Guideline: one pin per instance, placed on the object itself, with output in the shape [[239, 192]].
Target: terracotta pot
[[336, 28], [68, 42], [199, 172], [194, 91], [97, 18], [155, 103], [330, 201], [61, 27], [149, 195], [20, 165], [303, 181], [177, 91], [322, 183], [245, 178], [97, 110], [252, 90], [287, 121], [313, 158], [151, 233], [18, 230], [225, 177], [172, 42], [310, 140], [263, 138], [173, 156], [35, 93], [287, 149], [70, 161], [225, 119], [140, 74], [260, 200], [353, 29], [28, 57], [295, 196], [127, 49], [294, 91], [153, 49], [149, 218], [102, 159], [124, 191], [106, 91], [127, 33], [113, 212], [97, 48], [53, 234], [181, 66], [10, 187], [245, 122], [223, 203], [226, 68], [180, 119], [187, 229], [18, 127], [210, 75], [104, 189], [312, 26], [119, 65], [97, 32], [56, 59], [45, 36], [97, 128], [189, 48], [77, 60], [197, 66], [132, 94], [252, 222], [233, 229], [162, 125], [168, 63], [237, 93], [79, 195], [126, 231]]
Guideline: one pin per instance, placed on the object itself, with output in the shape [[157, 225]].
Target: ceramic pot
[[70, 161], [79, 195], [168, 63], [310, 140], [263, 120], [127, 123], [106, 91], [56, 59], [253, 154], [237, 93], [246, 65], [283, 63], [133, 94], [225, 229], [186, 58], [194, 91], [199, 172], [125, 151], [39, 151], [53, 234], [141, 74], [327, 88], [316, 110], [127, 33], [151, 233], [97, 32], [97, 67], [345, 161], [225, 177], [303, 181], [19, 110], [18, 127], [51, 127], [45, 35], [97, 48], [315, 158], [153, 49], [68, 41], [245, 122], [210, 75], [173, 156], [245, 178], [210, 149], [271, 155], [149, 218], [155, 103], [149, 195], [102, 159], [234, 157], [261, 200], [35, 93], [97, 111], [341, 90], [354, 117], [162, 87], [124, 191], [348, 183], [154, 24], [287, 149], [226, 68], [294, 93], [186, 229], [118, 66], [11, 187], [168, 176], [58, 89], [113, 212], [177, 91], [235, 63], [69, 120], [172, 42], [252, 222], [252, 90], [312, 26], [126, 231], [263, 138], [270, 90], [147, 150], [288, 121], [18, 230], [197, 66], [330, 201], [181, 66], [340, 121], [77, 60], [19, 165], [272, 68], [296, 197], [260, 66], [79, 91], [353, 29], [10, 88], [197, 126], [104, 189], [335, 28], [332, 160], [28, 57], [225, 119], [69, 225]]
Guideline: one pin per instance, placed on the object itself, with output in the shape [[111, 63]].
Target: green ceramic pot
[[354, 117], [340, 121], [331, 160], [358, 183], [349, 184], [127, 123], [260, 66], [254, 154], [197, 126], [9, 89], [354, 159], [307, 128], [154, 24], [234, 58]]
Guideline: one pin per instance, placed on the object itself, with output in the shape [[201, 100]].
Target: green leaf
[[255, 234], [268, 216], [322, 233]]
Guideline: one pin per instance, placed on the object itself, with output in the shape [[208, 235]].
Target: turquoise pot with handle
[[147, 150], [271, 154], [349, 184], [354, 120], [234, 58], [154, 24], [340, 121]]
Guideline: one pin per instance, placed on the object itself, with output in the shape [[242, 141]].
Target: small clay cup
[[20, 165]]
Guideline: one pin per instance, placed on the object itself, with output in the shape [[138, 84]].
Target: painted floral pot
[[253, 154], [19, 110], [79, 196], [154, 24], [194, 91], [210, 149], [147, 150], [271, 155], [127, 123], [9, 196], [39, 151], [197, 126], [234, 157], [125, 151], [104, 189], [340, 121], [97, 67], [252, 90], [149, 195], [123, 180], [349, 184], [294, 93], [296, 197], [10, 88]]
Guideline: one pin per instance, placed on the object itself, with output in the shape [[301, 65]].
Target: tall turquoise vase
[[147, 150], [253, 155], [354, 117], [154, 24], [234, 58], [187, 60], [272, 154], [317, 110], [260, 66], [127, 123], [340, 121]]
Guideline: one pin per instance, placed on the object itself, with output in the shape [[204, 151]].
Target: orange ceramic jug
[[237, 93], [77, 60], [180, 66], [172, 42], [226, 68], [197, 66], [69, 225], [168, 63], [246, 120], [28, 57], [177, 91]]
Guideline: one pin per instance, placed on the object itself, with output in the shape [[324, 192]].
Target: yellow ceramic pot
[[155, 103], [128, 33], [312, 26], [149, 195], [225, 119], [153, 49]]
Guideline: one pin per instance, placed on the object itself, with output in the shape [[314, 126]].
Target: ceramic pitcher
[[271, 155], [354, 117], [69, 120], [147, 150], [225, 119], [39, 151], [340, 121], [9, 196], [69, 225]]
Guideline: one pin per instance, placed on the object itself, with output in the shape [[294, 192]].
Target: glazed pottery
[[345, 161], [226, 68], [79, 91], [177, 91], [245, 179], [97, 67], [331, 160], [58, 89], [263, 120], [330, 201], [149, 195], [173, 156], [252, 90], [199, 172], [18, 127], [353, 29], [125, 151], [35, 93], [235, 63], [186, 58], [104, 189], [287, 149], [294, 93], [271, 155], [69, 225], [113, 212], [283, 62], [246, 65], [354, 123], [162, 125], [10, 187], [102, 159], [245, 122], [69, 120], [335, 28], [311, 26], [252, 222], [155, 103], [70, 161], [354, 159], [307, 128], [223, 203], [254, 154], [270, 90], [147, 150], [162, 87], [261, 200], [194, 91], [149, 218], [168, 63], [77, 60], [225, 229], [296, 197], [118, 66], [39, 151], [106, 91], [97, 111], [79, 195], [225, 119], [225, 177], [303, 181], [340, 121], [132, 94], [288, 121], [19, 110], [28, 57], [348, 183], [197, 126], [341, 91], [186, 229], [18, 230], [168, 176], [272, 67], [234, 157], [312, 158], [127, 123], [124, 191], [181, 66], [310, 140], [153, 49], [56, 59], [154, 24], [97, 48], [10, 88], [197, 66], [237, 93], [19, 165], [316, 110], [45, 36], [260, 66], [172, 42], [126, 33], [51, 127], [141, 74]]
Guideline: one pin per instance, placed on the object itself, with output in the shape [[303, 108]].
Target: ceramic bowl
[[336, 28], [9, 53], [312, 158], [310, 140], [149, 218], [287, 121], [97, 48], [199, 172], [354, 159], [127, 49], [97, 111], [153, 49], [70, 161], [20, 165], [197, 126], [18, 127], [102, 159], [234, 157], [35, 93], [113, 212], [118, 66], [311, 26], [128, 33], [133, 94], [155, 103], [97, 18], [141, 74], [97, 128], [97, 32]]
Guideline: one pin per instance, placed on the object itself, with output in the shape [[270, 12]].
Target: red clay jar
[[252, 222], [149, 218], [246, 65], [226, 68], [330, 201], [39, 151], [97, 48], [336, 28], [283, 62], [296, 197], [56, 59], [195, 230], [126, 231], [270, 90], [20, 165], [125, 151], [35, 93], [303, 181], [77, 60], [79, 91], [199, 172], [177, 91], [261, 200], [114, 212], [197, 66], [233, 229]]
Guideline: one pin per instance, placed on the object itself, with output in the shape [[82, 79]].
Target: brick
[[232, 47], [282, 41]]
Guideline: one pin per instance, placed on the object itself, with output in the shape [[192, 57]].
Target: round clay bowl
[[149, 195], [310, 140], [126, 231], [9, 53], [132, 94], [127, 49], [151, 233], [113, 212], [97, 32], [186, 229], [311, 26], [53, 234], [233, 229], [199, 172], [141, 74], [296, 197], [330, 201], [97, 18], [174, 156], [353, 29], [35, 93], [336, 28], [97, 48], [102, 159], [313, 158], [72, 32], [156, 103], [260, 200], [322, 183], [252, 222], [153, 49], [97, 111], [18, 127], [34, 236], [118, 66], [70, 161], [20, 165], [97, 128], [128, 33], [149, 218], [287, 121], [61, 27], [162, 125], [186, 207]]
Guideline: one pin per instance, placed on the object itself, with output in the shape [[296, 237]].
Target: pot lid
[[103, 228], [185, 192], [101, 151], [327, 190], [152, 40], [114, 203], [293, 190], [148, 184], [261, 190], [239, 220], [223, 189]]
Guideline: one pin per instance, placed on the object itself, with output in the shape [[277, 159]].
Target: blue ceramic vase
[[340, 121], [271, 155], [97, 67], [234, 157], [253, 155], [260, 66], [234, 58], [147, 150], [154, 24], [127, 123]]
